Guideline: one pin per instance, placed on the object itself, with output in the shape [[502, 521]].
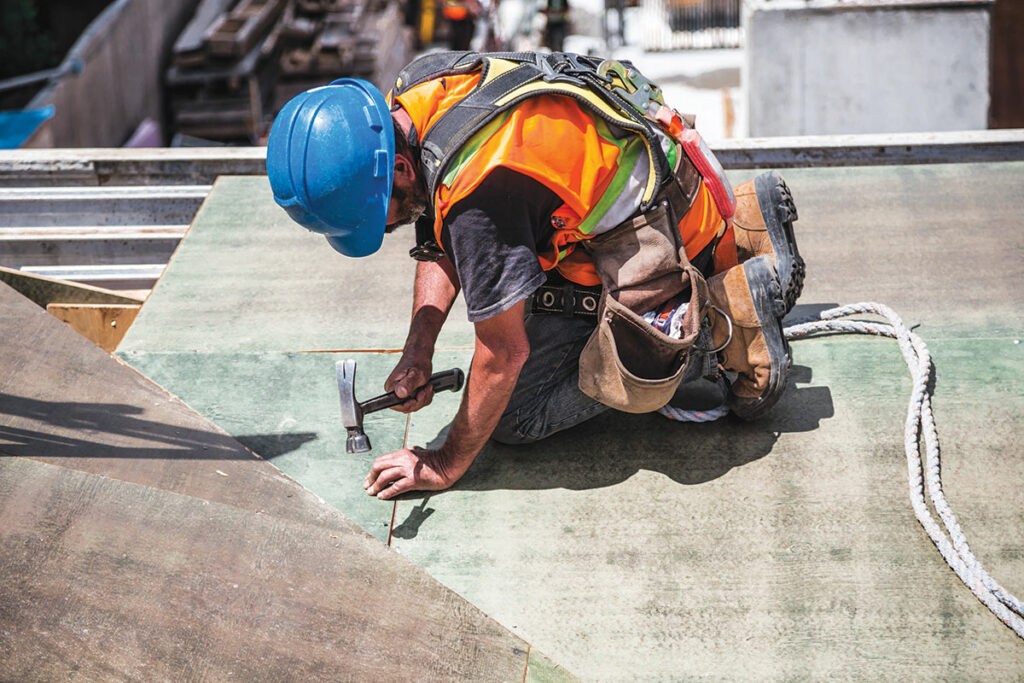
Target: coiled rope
[[949, 538]]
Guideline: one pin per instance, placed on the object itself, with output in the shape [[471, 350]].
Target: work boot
[[763, 226], [746, 328]]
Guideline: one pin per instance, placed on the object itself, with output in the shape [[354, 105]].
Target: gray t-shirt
[[492, 238]]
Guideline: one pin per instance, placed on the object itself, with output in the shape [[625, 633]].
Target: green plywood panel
[[938, 243], [639, 548], [540, 669], [920, 238], [246, 278], [734, 550], [286, 408]]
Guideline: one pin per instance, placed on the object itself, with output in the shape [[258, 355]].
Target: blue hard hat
[[330, 161]]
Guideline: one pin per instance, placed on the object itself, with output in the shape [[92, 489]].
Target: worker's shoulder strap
[[437, 64], [508, 78]]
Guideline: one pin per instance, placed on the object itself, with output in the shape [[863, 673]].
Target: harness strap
[[437, 64], [425, 67], [462, 121], [530, 75], [680, 191]]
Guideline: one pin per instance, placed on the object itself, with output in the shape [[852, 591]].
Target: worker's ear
[[404, 168]]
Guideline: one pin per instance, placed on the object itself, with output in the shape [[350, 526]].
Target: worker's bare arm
[[434, 292], [501, 350]]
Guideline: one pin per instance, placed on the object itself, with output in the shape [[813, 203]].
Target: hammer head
[[351, 411]]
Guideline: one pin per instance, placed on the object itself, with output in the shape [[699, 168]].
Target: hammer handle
[[448, 379]]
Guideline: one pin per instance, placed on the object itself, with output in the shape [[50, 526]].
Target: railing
[[112, 217], [683, 24]]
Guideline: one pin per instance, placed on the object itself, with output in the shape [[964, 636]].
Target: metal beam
[[872, 150], [202, 165]]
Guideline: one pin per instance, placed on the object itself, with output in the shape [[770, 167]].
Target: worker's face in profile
[[408, 196]]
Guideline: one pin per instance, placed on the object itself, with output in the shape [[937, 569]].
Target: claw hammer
[[352, 411]]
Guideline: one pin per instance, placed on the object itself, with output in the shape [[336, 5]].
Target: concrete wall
[[868, 67], [123, 54]]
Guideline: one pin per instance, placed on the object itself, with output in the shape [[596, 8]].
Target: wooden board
[[141, 541], [101, 579], [46, 290], [102, 324]]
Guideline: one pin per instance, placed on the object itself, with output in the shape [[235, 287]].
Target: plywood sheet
[[780, 550], [102, 579], [286, 408], [102, 324], [635, 547], [935, 242], [247, 278], [141, 541]]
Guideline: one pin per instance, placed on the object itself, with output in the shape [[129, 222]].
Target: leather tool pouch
[[627, 364]]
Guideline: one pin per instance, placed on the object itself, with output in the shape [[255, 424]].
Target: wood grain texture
[[45, 290], [102, 324], [142, 542], [105, 580]]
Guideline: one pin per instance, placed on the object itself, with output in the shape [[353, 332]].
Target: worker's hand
[[411, 469], [410, 380]]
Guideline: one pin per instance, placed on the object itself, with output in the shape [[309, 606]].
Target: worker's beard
[[410, 202]]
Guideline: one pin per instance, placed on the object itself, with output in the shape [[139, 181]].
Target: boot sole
[[779, 213], [769, 305]]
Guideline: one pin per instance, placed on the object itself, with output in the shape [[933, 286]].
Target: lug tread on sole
[[786, 214]]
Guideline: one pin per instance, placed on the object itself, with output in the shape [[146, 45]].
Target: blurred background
[[155, 73]]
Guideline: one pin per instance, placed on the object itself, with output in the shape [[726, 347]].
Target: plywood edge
[[103, 324]]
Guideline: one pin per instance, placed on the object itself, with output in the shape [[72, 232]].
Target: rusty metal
[[235, 33]]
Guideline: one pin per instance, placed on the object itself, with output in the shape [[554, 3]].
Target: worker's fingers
[[423, 397], [404, 470], [410, 374], [381, 463], [408, 384], [396, 375], [385, 479], [396, 489]]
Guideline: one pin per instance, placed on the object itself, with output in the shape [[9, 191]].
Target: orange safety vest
[[555, 141]]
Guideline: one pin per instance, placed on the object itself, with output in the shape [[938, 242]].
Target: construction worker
[[556, 24], [461, 16], [545, 209]]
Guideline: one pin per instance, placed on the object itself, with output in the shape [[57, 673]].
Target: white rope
[[949, 539], [680, 415]]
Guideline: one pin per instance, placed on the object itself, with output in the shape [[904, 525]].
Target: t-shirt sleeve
[[492, 237]]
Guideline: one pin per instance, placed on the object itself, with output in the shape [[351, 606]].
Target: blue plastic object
[[18, 126], [330, 161]]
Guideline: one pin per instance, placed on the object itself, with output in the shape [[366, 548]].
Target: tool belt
[[567, 300], [627, 364]]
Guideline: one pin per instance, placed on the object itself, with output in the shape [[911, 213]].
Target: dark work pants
[[547, 398]]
